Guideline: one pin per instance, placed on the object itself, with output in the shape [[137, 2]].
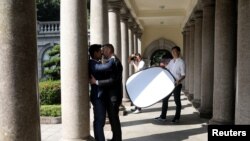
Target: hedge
[[50, 92], [50, 110]]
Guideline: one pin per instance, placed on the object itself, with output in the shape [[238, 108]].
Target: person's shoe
[[160, 119], [175, 121], [137, 111], [132, 109]]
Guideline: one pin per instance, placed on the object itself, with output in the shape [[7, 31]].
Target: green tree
[[157, 55], [52, 66], [48, 10]]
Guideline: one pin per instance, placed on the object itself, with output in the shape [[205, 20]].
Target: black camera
[[132, 58]]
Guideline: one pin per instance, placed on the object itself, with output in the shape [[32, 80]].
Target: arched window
[[45, 57], [157, 55]]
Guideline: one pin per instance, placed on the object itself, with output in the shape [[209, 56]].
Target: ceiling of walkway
[[161, 12]]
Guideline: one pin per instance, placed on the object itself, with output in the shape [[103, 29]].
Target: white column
[[74, 71], [130, 42], [125, 50], [224, 62], [207, 67], [242, 104], [135, 39], [197, 59], [114, 25], [187, 44], [99, 27], [19, 100], [139, 45], [191, 62]]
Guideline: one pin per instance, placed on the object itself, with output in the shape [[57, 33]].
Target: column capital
[[187, 28], [198, 14], [124, 13], [191, 23], [207, 3], [114, 5], [131, 23], [136, 28], [139, 33]]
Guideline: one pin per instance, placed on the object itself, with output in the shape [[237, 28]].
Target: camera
[[132, 58]]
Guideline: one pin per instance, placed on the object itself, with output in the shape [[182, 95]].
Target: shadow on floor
[[185, 120], [158, 109], [171, 136]]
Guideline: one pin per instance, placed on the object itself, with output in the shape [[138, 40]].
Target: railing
[[49, 27], [46, 28]]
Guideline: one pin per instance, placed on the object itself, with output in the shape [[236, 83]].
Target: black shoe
[[160, 119], [175, 121]]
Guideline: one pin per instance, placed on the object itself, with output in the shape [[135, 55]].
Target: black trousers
[[113, 103], [177, 99], [99, 118]]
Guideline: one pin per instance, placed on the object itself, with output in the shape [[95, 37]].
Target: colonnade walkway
[[143, 127]]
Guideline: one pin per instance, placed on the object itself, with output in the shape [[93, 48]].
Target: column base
[[126, 102], [122, 110], [205, 114], [125, 99], [196, 103], [90, 138], [185, 92], [217, 122], [190, 96]]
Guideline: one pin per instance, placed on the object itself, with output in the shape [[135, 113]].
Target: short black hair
[[177, 48], [94, 48], [110, 46], [167, 56], [138, 54]]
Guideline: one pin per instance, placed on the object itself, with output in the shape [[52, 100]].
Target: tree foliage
[[52, 66], [157, 55], [48, 10]]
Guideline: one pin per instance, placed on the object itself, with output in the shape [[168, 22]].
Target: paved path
[[142, 127]]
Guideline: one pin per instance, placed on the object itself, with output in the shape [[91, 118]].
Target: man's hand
[[92, 80]]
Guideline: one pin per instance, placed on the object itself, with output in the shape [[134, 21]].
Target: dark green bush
[[50, 110], [50, 92], [52, 66]]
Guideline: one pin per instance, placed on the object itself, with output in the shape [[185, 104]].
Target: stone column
[[139, 34], [224, 62], [74, 71], [19, 106], [130, 42], [183, 52], [191, 62], [187, 45], [114, 25], [125, 49], [99, 27], [207, 61], [135, 39], [197, 59], [242, 110]]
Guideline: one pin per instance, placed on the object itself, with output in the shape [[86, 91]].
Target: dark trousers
[[99, 118], [177, 99], [113, 103]]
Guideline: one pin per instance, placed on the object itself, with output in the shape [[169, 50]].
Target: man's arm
[[180, 80], [114, 78], [103, 67]]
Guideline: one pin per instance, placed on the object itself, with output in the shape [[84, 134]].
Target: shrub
[[50, 110], [52, 66], [50, 92]]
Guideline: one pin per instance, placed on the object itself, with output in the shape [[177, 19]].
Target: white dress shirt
[[177, 68]]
